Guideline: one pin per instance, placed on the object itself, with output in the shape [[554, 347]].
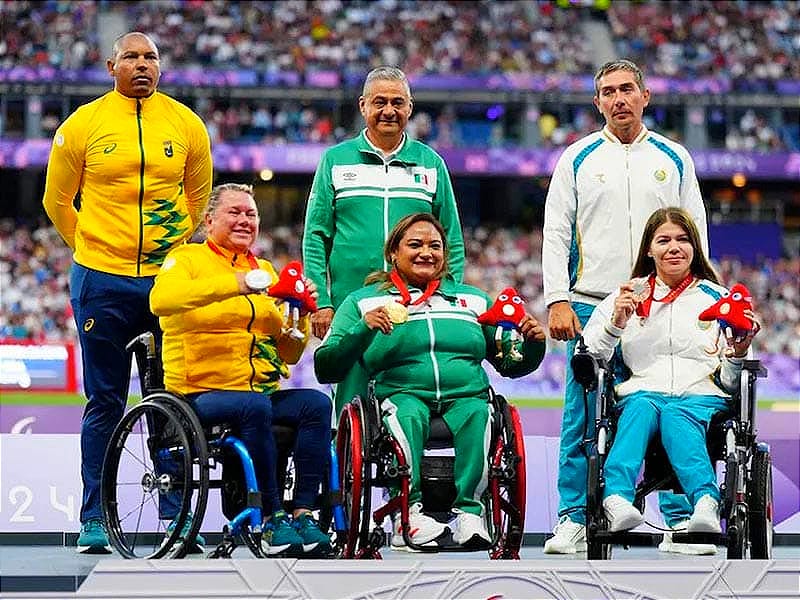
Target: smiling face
[[135, 66], [233, 224], [622, 103], [419, 257], [672, 252], [386, 107]]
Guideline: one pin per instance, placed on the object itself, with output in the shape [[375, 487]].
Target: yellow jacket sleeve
[[198, 175], [64, 172], [176, 290]]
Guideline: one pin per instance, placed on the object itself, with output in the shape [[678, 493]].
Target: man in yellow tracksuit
[[139, 165]]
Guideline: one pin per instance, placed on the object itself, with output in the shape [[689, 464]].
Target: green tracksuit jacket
[[357, 198], [432, 362]]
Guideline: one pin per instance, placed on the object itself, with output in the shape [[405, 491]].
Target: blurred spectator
[[747, 42], [34, 303]]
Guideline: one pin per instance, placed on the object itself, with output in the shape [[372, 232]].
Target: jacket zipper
[[631, 255], [385, 210], [141, 187], [252, 342], [434, 362], [671, 355]]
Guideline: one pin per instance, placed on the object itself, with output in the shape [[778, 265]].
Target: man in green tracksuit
[[430, 363], [361, 188]]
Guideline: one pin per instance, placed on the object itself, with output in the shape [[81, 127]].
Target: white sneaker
[[422, 529], [705, 518], [469, 531], [667, 545], [621, 514], [569, 537]]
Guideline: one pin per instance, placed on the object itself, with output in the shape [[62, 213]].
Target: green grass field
[[65, 399]]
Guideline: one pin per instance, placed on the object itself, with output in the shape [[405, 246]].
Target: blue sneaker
[[195, 547], [315, 542], [280, 538], [93, 538]]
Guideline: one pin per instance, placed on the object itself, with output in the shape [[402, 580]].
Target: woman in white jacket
[[681, 369]]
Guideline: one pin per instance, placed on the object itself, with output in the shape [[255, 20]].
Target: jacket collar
[[408, 152], [447, 287], [130, 103], [615, 140]]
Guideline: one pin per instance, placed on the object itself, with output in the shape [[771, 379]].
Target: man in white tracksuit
[[603, 189]]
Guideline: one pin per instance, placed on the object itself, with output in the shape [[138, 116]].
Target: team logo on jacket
[[110, 148], [660, 175], [88, 324], [168, 148]]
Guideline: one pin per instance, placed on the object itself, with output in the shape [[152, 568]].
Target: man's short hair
[[621, 64], [385, 73]]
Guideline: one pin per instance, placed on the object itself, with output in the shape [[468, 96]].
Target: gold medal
[[397, 312]]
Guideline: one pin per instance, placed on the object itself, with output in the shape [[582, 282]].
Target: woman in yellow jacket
[[224, 349]]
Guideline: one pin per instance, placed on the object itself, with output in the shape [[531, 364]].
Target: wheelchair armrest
[[586, 367]]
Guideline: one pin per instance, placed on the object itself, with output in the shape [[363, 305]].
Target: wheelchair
[[746, 504], [158, 470], [371, 458]]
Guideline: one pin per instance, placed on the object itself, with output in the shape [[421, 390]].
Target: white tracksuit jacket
[[672, 351], [601, 194]]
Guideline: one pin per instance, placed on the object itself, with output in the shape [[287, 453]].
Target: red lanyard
[[406, 296], [251, 258], [643, 309]]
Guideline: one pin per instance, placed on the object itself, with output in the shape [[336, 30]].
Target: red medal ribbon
[[251, 258], [643, 309], [403, 289]]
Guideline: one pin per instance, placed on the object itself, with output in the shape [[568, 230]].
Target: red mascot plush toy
[[729, 311], [292, 288], [506, 314]]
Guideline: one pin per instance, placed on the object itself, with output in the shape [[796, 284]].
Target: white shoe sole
[[688, 549], [626, 523], [93, 549], [704, 527], [577, 547]]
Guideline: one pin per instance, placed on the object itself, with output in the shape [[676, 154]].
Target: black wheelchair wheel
[[595, 518], [759, 505], [198, 482], [252, 541], [597, 550], [737, 533], [351, 478], [145, 473], [507, 488]]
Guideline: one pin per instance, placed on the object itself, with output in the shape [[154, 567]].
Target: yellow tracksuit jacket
[[142, 169], [215, 338]]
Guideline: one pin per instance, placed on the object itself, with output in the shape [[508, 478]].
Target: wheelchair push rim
[[134, 484]]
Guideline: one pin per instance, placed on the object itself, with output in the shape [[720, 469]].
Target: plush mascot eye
[[737, 296], [516, 300], [502, 297]]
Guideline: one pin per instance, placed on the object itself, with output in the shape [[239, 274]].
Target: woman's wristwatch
[[257, 280]]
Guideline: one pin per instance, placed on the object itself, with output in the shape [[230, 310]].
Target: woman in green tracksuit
[[416, 333]]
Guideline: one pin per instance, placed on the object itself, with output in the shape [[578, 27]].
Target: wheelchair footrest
[[718, 539], [628, 538]]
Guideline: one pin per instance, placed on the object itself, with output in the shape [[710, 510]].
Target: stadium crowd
[[743, 41], [749, 43], [34, 266]]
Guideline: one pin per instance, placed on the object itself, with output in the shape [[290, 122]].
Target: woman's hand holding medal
[[379, 318], [631, 294]]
